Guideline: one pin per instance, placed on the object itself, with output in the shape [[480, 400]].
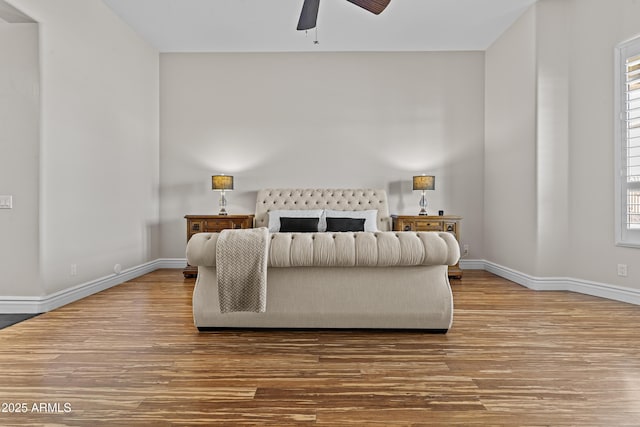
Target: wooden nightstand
[[213, 224], [450, 223]]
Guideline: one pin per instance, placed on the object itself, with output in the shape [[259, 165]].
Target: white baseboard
[[603, 290], [58, 299], [66, 296], [472, 264], [171, 263]]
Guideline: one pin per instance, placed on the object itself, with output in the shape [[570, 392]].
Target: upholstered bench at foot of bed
[[382, 280], [332, 297]]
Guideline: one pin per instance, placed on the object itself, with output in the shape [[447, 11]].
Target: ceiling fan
[[309, 14]]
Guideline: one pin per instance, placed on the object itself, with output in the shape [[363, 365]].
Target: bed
[[336, 279]]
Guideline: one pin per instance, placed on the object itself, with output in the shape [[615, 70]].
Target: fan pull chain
[[315, 40]]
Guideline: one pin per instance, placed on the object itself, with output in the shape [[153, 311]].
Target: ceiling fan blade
[[373, 6], [309, 14]]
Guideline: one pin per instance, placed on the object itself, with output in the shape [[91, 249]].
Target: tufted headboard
[[322, 198]]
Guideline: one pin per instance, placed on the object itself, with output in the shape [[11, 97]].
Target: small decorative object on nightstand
[[450, 223], [424, 183], [222, 183], [213, 224]]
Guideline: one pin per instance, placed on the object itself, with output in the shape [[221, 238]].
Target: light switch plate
[[6, 202]]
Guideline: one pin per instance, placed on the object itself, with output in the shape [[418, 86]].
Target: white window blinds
[[628, 144]]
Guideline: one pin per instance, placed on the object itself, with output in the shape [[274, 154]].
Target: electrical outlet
[[622, 270], [74, 269], [465, 250], [6, 202]]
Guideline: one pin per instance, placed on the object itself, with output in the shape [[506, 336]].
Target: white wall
[[596, 28], [19, 148], [321, 120], [99, 148], [527, 144], [552, 138], [510, 209], [549, 108]]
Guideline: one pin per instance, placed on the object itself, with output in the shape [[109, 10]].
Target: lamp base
[[423, 204], [223, 204]]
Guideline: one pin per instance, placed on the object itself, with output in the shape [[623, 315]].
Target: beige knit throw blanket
[[241, 268]]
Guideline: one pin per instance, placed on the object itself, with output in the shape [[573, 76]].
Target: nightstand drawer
[[419, 226], [218, 225], [427, 226], [451, 227], [194, 227]]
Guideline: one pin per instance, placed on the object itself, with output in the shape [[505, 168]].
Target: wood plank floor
[[131, 356]]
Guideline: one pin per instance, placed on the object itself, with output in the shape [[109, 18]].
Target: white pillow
[[370, 216], [274, 217]]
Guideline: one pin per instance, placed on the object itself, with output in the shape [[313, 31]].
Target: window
[[628, 143]]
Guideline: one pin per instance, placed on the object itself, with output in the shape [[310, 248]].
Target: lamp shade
[[424, 182], [222, 182]]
